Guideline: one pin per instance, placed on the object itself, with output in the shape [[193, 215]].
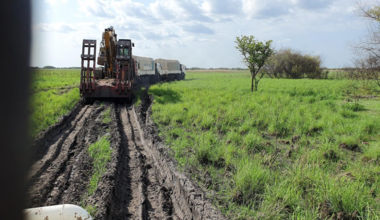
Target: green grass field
[[238, 145], [61, 79], [54, 93]]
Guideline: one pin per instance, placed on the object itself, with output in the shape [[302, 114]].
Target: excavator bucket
[[87, 79]]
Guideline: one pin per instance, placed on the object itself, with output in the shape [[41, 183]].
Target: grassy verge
[[48, 106], [53, 95], [294, 149], [44, 80]]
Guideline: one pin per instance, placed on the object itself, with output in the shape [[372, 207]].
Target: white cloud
[[275, 8], [198, 29], [97, 8], [171, 28], [56, 27], [55, 2], [222, 7]]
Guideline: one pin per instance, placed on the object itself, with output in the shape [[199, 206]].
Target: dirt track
[[140, 182]]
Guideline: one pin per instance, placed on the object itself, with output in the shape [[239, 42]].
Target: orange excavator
[[107, 52], [118, 74]]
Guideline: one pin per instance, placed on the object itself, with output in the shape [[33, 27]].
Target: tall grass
[[239, 144], [47, 107], [49, 102]]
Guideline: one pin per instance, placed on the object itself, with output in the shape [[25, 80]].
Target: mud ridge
[[187, 198], [40, 145], [104, 196], [137, 191], [140, 180], [47, 182], [72, 185], [67, 175], [51, 149]]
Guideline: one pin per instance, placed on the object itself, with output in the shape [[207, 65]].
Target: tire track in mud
[[65, 177], [71, 182], [186, 197], [53, 165], [138, 183], [55, 149], [144, 198]]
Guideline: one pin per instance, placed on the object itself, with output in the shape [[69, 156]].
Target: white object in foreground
[[57, 212]]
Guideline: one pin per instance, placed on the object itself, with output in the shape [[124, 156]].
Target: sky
[[198, 33]]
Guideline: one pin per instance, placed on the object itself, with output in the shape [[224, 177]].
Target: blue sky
[[198, 33]]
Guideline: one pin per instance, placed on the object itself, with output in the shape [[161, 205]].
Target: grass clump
[[138, 94], [107, 116], [292, 150], [92, 210], [100, 152], [355, 107]]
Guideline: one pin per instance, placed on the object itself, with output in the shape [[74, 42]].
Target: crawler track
[[139, 182]]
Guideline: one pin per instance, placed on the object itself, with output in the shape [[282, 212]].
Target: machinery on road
[[116, 78], [120, 69]]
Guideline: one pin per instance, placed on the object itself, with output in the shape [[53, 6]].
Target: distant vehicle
[[169, 70], [145, 70]]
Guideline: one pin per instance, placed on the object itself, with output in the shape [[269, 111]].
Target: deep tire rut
[[145, 200], [47, 177], [55, 149], [139, 182]]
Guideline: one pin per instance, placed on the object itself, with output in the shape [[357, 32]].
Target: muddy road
[[139, 181]]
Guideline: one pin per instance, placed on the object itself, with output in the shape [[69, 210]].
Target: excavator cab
[[124, 50], [125, 71]]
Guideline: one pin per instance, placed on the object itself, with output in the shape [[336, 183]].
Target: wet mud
[[141, 180]]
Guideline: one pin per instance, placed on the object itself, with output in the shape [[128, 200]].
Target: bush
[[287, 63], [48, 67], [365, 75]]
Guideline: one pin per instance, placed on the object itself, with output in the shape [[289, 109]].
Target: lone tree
[[255, 54], [367, 48], [369, 45]]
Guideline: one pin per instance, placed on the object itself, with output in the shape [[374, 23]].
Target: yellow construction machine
[[107, 52]]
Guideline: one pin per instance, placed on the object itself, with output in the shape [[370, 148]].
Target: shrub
[[365, 75], [287, 63]]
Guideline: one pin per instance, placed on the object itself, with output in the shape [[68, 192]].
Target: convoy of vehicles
[[120, 70]]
